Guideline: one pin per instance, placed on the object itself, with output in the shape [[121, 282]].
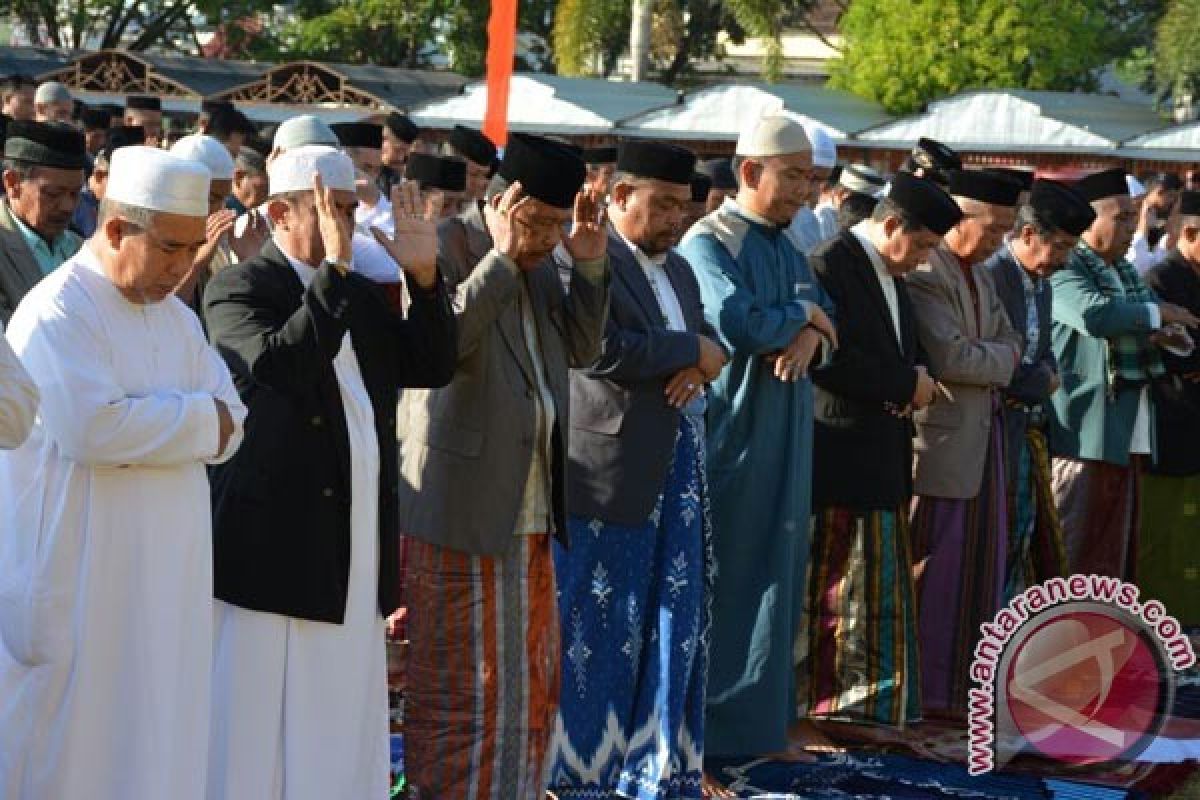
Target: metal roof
[[1022, 121], [720, 111], [1186, 136]]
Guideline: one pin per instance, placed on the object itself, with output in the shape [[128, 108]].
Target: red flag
[[502, 45]]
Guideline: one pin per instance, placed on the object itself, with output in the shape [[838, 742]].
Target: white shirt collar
[[860, 233], [642, 258], [1027, 280], [303, 271]]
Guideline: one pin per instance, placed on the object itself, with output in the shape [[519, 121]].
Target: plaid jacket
[[1131, 356]]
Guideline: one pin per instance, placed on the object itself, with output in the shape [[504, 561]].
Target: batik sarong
[[633, 603]]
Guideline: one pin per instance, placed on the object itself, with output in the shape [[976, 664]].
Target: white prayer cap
[[153, 179], [303, 130], [52, 92], [293, 170], [207, 151], [1136, 188], [774, 135], [824, 151]]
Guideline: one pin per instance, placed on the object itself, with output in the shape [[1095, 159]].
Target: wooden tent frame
[[303, 83], [117, 72]]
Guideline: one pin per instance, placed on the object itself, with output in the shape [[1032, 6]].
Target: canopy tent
[[550, 104], [1021, 121], [719, 112]]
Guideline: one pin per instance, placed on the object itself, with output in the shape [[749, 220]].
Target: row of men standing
[[306, 547]]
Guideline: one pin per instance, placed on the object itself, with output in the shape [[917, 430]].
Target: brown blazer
[[465, 450], [19, 270], [971, 361]]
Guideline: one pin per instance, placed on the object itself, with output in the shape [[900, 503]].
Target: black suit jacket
[[623, 431], [862, 453], [1177, 401], [1031, 382], [281, 505]]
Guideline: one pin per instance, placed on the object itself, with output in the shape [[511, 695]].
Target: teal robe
[[757, 290]]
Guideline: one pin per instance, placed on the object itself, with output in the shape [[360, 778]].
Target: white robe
[[300, 708], [18, 398], [106, 546]]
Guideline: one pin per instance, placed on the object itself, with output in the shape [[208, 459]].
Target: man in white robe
[[18, 398], [105, 528]]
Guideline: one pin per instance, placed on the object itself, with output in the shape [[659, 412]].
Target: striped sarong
[[1099, 504], [861, 651], [959, 548], [483, 671], [1036, 551]]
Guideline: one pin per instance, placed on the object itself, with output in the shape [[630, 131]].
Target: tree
[[130, 24], [1177, 54], [904, 53]]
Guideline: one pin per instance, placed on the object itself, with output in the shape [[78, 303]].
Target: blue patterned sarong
[[634, 612]]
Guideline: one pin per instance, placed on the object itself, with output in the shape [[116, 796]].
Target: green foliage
[[589, 30], [1177, 50], [904, 53]]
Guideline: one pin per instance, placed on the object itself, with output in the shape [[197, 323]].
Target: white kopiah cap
[[52, 92], [293, 170], [824, 151], [207, 151], [774, 135], [153, 179], [302, 130]]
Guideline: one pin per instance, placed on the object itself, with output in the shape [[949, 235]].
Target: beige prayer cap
[[153, 179], [774, 135]]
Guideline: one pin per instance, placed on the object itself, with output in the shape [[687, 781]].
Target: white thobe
[[106, 552], [18, 398], [300, 708], [377, 216]]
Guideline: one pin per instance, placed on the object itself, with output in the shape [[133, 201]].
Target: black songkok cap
[[720, 170], [96, 119], [1171, 182], [701, 184], [1189, 204], [927, 203], [141, 102], [436, 172], [934, 159], [593, 156], [1024, 177], [1099, 185], [45, 144], [359, 134], [1061, 207], [985, 186], [657, 160], [549, 171], [402, 127], [472, 145]]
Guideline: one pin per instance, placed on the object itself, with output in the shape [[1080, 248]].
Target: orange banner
[[502, 45]]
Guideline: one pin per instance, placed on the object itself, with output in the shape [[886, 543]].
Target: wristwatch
[[341, 266]]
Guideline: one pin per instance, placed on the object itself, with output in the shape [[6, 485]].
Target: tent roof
[[551, 104], [719, 112], [1022, 120]]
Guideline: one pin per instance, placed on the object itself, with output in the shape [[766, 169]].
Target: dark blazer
[[281, 505], [1031, 382], [862, 453], [19, 270], [1177, 401], [623, 431]]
